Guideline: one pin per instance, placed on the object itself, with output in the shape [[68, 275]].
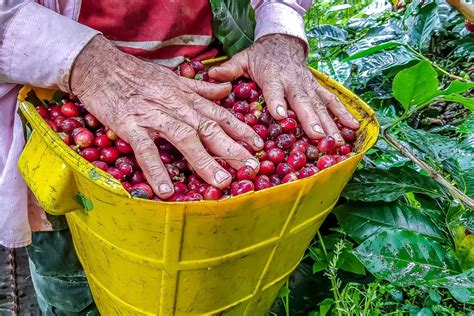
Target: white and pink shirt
[[39, 41]]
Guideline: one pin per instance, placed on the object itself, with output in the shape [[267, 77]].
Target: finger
[[220, 144], [149, 160], [215, 139], [211, 91], [235, 128], [327, 122], [230, 70], [274, 94], [336, 107], [187, 141], [302, 104]]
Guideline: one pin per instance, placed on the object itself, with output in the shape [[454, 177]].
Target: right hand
[[141, 101]]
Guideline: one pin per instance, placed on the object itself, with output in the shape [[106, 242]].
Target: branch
[[433, 173]]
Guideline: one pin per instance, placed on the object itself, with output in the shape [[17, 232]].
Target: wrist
[[284, 41], [93, 66]]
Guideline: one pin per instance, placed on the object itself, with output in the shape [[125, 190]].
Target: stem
[[333, 282], [452, 76], [322, 243], [433, 173]]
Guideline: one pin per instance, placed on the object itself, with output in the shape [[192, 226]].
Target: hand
[[141, 101], [277, 64]]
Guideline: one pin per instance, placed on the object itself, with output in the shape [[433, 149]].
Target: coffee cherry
[[246, 173], [69, 110], [266, 167], [327, 144], [242, 91], [212, 193], [326, 161], [262, 182], [241, 187], [297, 160], [109, 155]]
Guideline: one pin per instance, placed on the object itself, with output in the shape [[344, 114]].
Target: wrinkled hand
[[277, 64], [141, 101]]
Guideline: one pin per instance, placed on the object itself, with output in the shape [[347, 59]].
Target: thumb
[[230, 70], [210, 91]]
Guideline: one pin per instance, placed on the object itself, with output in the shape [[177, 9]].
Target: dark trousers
[[58, 277]]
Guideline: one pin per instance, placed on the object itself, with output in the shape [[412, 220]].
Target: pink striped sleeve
[[283, 17]]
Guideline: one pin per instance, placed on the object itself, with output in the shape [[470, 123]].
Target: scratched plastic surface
[[144, 257]]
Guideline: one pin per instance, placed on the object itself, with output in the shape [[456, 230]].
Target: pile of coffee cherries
[[288, 155]]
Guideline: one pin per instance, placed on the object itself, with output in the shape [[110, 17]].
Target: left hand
[[277, 64]]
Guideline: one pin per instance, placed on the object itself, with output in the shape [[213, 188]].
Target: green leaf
[[372, 185], [335, 69], [363, 220], [425, 311], [373, 50], [467, 102], [328, 35], [467, 127], [348, 262], [233, 24], [434, 296], [319, 266], [373, 65], [427, 21], [415, 85], [84, 201], [460, 222], [461, 286], [389, 160], [456, 158], [406, 258], [457, 87], [285, 291], [325, 306], [464, 47]]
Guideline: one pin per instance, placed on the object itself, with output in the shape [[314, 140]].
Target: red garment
[[152, 29]]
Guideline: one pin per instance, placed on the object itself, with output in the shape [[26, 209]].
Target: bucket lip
[[107, 182]]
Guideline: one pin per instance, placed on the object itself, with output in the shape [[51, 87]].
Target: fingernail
[[338, 138], [164, 188], [258, 141], [355, 121], [318, 129], [281, 111], [221, 176], [251, 162]]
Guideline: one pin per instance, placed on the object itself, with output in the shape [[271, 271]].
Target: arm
[[277, 63], [136, 99], [281, 17], [39, 46]]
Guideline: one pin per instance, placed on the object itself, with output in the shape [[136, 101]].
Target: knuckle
[[301, 97], [209, 129], [221, 114], [183, 134], [273, 86], [157, 173], [240, 129], [319, 106], [204, 162]]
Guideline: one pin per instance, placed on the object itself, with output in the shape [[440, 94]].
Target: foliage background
[[398, 243]]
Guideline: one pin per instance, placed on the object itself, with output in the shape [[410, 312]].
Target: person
[[115, 56]]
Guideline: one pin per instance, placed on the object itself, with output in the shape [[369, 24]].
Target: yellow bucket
[[144, 257]]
